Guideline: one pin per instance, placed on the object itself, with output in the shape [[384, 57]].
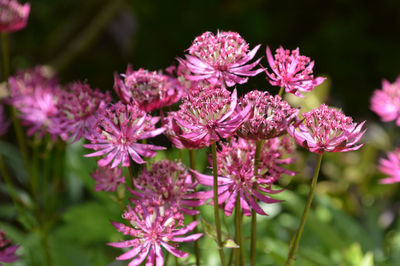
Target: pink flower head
[[34, 93], [327, 130], [13, 16], [77, 108], [107, 178], [270, 116], [236, 174], [221, 59], [167, 184], [292, 71], [152, 229], [209, 114], [3, 122], [117, 132], [151, 90], [391, 167], [7, 251], [386, 102]]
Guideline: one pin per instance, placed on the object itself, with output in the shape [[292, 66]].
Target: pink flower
[[386, 102], [116, 133], [236, 174], [327, 130], [292, 71], [13, 16], [7, 251], [77, 108], [391, 167], [221, 59], [208, 114], [151, 90], [3, 122], [167, 184], [107, 178], [270, 116], [152, 229]]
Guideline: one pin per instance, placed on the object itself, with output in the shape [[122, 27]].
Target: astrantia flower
[[13, 16], [117, 132], [391, 167], [236, 174], [107, 178], [292, 71], [386, 102], [77, 108], [7, 251], [221, 59], [151, 230], [270, 116], [150, 89], [167, 184], [3, 122], [209, 114], [326, 129]]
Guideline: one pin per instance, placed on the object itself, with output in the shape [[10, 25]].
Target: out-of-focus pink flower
[[270, 116], [13, 16], [236, 174], [292, 71], [167, 184], [386, 102], [152, 229], [150, 89], [326, 129], [391, 167], [34, 93], [221, 59], [117, 132], [208, 114], [7, 251], [77, 108], [3, 122], [107, 178]]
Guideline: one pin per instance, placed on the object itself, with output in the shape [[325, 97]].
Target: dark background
[[355, 43]]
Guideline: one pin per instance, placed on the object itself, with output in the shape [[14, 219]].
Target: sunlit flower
[[386, 102], [3, 122], [117, 132], [269, 118], [151, 230], [221, 59], [208, 114], [150, 89], [292, 71], [77, 108], [236, 174], [13, 16], [7, 251], [107, 178], [167, 184], [326, 129], [391, 167]]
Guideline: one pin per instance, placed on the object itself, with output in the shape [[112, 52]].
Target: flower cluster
[[292, 71], [13, 16], [7, 251], [221, 59], [326, 129], [107, 178], [391, 167], [386, 102]]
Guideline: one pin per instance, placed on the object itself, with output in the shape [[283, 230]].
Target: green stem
[[216, 210], [253, 244], [192, 163], [6, 57], [238, 232], [281, 91], [296, 241]]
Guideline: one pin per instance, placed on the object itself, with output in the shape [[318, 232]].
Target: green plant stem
[[296, 241], [216, 209], [281, 91], [34, 175], [253, 244], [192, 164], [6, 57], [238, 232]]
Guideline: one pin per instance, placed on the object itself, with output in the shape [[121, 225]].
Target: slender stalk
[[176, 261], [216, 210], [253, 244], [296, 241], [6, 57], [34, 177], [192, 163], [281, 91], [238, 232]]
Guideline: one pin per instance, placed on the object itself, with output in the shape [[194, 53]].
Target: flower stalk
[[238, 232], [192, 164]]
